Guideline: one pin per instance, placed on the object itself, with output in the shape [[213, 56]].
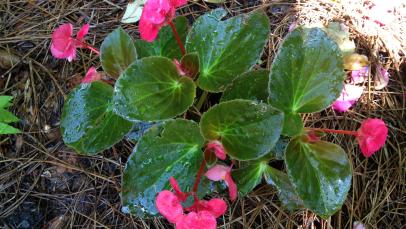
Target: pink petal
[[199, 220], [178, 3], [157, 11], [83, 32], [169, 206], [372, 136], [217, 207], [359, 76], [148, 31], [381, 78], [62, 45], [217, 148], [349, 96], [91, 75], [175, 185], [232, 186], [218, 172]]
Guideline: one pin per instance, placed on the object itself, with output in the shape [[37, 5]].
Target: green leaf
[[190, 64], [248, 177], [252, 85], [247, 129], [172, 149], [6, 129], [279, 150], [117, 52], [286, 192], [7, 116], [226, 48], [307, 74], [292, 125], [165, 45], [151, 89], [5, 101], [320, 173], [88, 123]]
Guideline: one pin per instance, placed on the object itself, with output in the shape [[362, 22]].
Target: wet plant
[[163, 82]]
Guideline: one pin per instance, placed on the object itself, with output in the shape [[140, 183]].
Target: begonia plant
[[187, 140]]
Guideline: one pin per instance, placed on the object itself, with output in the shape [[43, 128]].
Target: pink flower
[[169, 206], [157, 13], [371, 136], [359, 76], [91, 75], [381, 78], [218, 149], [349, 96], [221, 172], [202, 214], [197, 220], [63, 45]]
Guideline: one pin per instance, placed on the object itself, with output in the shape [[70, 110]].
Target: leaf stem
[[88, 46], [201, 100], [347, 132], [177, 37]]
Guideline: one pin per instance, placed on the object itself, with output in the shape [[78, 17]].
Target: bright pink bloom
[[217, 148], [202, 214], [197, 220], [169, 206], [63, 45], [371, 136], [157, 13], [217, 207], [221, 172], [349, 96], [91, 75]]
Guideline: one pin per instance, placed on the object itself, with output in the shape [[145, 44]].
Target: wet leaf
[[292, 125], [248, 130], [172, 149], [151, 89], [226, 48], [248, 177], [286, 192], [190, 64], [307, 74], [320, 173], [117, 52], [252, 85], [340, 34], [165, 45], [88, 123]]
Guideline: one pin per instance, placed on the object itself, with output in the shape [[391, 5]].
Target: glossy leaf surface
[[226, 48], [117, 52], [307, 74], [252, 85], [292, 125], [172, 149], [165, 44], [248, 177], [247, 129], [286, 191], [321, 174], [88, 123], [151, 89]]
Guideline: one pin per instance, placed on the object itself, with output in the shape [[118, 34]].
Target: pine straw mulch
[[44, 184]]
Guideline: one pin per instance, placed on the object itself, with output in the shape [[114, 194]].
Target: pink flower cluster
[[155, 15], [202, 214]]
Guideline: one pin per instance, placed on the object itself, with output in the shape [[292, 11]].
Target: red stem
[[177, 37], [86, 45], [348, 132], [198, 177]]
